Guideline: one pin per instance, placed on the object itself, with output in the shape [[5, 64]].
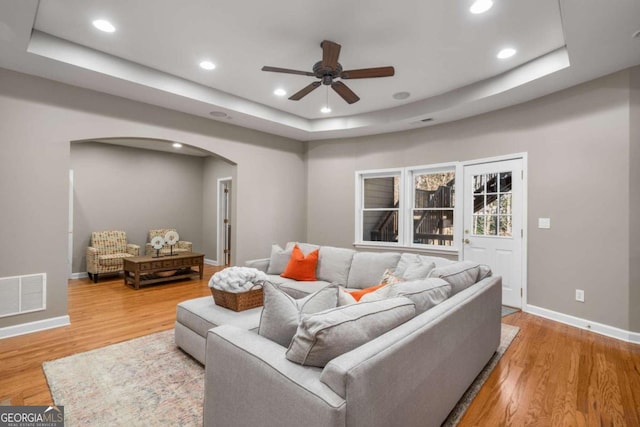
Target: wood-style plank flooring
[[551, 375]]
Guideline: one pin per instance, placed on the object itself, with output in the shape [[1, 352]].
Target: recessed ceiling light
[[636, 35], [279, 92], [207, 65], [176, 145], [220, 114], [325, 110], [506, 53], [104, 25], [480, 6], [401, 95]]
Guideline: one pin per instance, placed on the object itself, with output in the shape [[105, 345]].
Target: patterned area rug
[[148, 381]]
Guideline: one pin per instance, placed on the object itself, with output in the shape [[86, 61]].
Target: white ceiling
[[443, 55]]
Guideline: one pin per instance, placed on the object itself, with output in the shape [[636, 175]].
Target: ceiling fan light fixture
[[505, 53], [325, 110], [104, 25], [207, 65], [279, 92], [480, 6], [176, 145]]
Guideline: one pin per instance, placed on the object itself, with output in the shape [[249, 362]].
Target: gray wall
[[41, 117], [123, 188], [578, 147], [214, 169], [634, 202]]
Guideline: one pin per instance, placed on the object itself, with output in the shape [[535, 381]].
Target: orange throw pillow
[[301, 267], [362, 292]]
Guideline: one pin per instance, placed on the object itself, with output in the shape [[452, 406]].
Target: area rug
[[508, 310], [148, 381]]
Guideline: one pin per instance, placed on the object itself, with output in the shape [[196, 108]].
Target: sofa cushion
[[202, 314], [334, 264], [301, 267], [300, 289], [461, 274], [279, 259], [304, 247], [415, 267], [281, 313], [367, 268], [325, 335]]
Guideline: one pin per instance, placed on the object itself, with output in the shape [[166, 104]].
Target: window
[[432, 208], [492, 214], [379, 207], [424, 218]]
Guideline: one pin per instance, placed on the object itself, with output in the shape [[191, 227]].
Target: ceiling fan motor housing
[[326, 74]]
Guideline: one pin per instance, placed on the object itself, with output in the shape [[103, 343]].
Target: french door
[[493, 222]]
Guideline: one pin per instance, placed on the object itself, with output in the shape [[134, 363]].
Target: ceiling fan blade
[[305, 91], [330, 54], [366, 73], [286, 70], [346, 93]]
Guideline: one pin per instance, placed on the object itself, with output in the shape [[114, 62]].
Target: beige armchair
[[106, 252], [180, 247]]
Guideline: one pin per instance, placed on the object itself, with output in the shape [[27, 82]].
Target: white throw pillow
[[279, 259], [325, 335], [281, 312]]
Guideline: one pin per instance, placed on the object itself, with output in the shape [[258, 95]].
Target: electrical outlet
[[579, 295]]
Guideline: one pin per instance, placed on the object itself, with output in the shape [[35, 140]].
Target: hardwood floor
[[101, 314], [551, 375]]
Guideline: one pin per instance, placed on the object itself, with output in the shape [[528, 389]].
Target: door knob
[[467, 241]]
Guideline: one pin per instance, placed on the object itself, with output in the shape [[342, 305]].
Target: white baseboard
[[38, 325], [211, 262], [81, 275], [585, 324]]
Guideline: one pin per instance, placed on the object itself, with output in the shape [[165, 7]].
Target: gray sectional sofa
[[412, 375]]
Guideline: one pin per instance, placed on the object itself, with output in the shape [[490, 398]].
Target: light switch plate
[[544, 222]]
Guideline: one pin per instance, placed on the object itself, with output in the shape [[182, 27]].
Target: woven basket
[[238, 301]]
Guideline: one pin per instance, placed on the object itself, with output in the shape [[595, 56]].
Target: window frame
[[406, 202], [411, 173], [361, 176]]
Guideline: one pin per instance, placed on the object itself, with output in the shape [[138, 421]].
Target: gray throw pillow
[[323, 336], [281, 312], [418, 270], [461, 275], [279, 259], [425, 294]]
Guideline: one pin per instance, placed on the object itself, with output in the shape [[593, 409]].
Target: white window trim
[[405, 207], [410, 172], [359, 186]]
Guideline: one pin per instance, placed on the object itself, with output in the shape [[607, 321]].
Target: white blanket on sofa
[[236, 279]]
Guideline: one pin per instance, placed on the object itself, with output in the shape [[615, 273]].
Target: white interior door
[[493, 222]]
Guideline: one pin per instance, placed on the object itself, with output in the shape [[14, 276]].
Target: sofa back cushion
[[281, 312], [368, 267], [322, 336], [334, 264], [425, 294], [461, 275], [109, 242]]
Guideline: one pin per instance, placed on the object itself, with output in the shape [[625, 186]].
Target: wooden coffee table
[[142, 270]]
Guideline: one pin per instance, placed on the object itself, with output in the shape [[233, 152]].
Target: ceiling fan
[[329, 69]]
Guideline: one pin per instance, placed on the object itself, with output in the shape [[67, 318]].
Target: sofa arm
[[92, 259], [249, 382], [133, 249], [261, 264]]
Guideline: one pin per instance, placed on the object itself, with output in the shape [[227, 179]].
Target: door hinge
[[521, 232], [521, 174], [521, 293]]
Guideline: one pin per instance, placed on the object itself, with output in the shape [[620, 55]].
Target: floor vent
[[23, 294]]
